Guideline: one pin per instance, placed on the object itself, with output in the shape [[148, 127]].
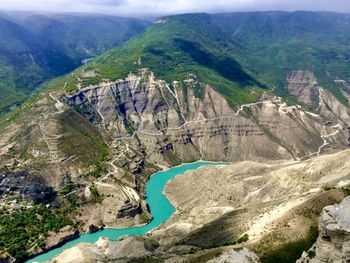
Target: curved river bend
[[160, 208]]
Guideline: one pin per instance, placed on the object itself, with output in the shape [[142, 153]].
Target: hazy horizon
[[146, 8]]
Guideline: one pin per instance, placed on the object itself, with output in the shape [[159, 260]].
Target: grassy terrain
[[82, 139], [174, 50], [291, 251], [272, 43], [297, 231], [239, 54]]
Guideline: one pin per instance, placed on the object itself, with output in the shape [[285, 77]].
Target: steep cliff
[[333, 243], [303, 85], [182, 120]]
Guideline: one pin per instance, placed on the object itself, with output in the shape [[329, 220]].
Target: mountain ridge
[[35, 50]]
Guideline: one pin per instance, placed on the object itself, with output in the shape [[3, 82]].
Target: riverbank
[[160, 208]]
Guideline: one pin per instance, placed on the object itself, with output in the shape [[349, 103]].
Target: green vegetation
[[173, 51], [82, 139], [24, 229], [68, 188], [243, 239], [346, 190], [145, 260], [95, 194], [36, 48], [292, 251], [328, 187], [238, 53], [311, 254], [240, 240], [99, 170]]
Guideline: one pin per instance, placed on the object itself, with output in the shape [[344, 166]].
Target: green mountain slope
[[173, 50], [238, 50], [35, 48], [271, 43]]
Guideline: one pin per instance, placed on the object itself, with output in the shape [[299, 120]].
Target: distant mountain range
[[35, 48]]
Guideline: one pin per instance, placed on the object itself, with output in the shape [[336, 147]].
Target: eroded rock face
[[240, 256], [58, 239], [172, 123], [104, 250], [330, 107], [303, 85], [333, 243]]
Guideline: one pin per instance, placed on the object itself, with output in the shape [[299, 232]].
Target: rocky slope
[[96, 146], [217, 205], [333, 243], [92, 140], [257, 194], [131, 249], [172, 123], [107, 136], [303, 85]]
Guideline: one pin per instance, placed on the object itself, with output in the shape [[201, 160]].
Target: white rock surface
[[241, 256], [333, 243]]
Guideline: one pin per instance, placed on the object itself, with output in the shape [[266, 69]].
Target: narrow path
[[325, 142], [115, 168]]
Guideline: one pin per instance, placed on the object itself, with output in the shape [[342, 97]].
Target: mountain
[[254, 89], [239, 50], [37, 48]]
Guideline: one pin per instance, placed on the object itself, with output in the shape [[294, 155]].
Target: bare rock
[[241, 256], [333, 243], [174, 126], [66, 234], [303, 85], [93, 228], [104, 250]]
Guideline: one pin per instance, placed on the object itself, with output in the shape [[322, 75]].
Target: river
[[160, 208]]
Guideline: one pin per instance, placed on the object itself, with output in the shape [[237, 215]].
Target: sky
[[164, 7]]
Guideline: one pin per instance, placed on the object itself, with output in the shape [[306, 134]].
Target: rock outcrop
[[240, 256], [172, 123], [104, 250], [58, 239], [130, 210], [333, 243], [303, 85]]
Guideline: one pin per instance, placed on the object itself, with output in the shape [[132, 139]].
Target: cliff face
[[184, 120], [303, 85], [333, 243]]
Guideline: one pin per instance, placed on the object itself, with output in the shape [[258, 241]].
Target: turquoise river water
[[160, 208]]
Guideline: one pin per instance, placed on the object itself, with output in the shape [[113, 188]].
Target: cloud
[[144, 7]]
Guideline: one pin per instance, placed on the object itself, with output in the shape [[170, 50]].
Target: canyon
[[283, 157]]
